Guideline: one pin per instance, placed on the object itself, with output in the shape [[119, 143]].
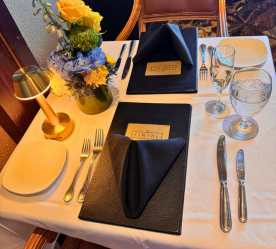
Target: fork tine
[[95, 138], [83, 145], [98, 138], [102, 138], [89, 142]]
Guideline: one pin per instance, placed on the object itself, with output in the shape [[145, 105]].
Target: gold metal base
[[62, 130]]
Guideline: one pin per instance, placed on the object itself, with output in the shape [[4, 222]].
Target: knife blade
[[118, 62], [129, 59], [242, 206], [225, 212]]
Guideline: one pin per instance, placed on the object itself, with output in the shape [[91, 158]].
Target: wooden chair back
[[154, 11]]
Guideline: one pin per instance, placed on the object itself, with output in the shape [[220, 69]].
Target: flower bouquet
[[78, 57]]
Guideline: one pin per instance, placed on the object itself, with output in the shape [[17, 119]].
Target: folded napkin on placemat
[[141, 183], [166, 61]]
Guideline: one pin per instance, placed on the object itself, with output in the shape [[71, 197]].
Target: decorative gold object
[[163, 68], [31, 82]]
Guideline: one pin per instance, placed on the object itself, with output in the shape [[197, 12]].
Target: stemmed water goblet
[[221, 70], [250, 90]]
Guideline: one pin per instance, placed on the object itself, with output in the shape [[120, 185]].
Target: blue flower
[[97, 57], [68, 66]]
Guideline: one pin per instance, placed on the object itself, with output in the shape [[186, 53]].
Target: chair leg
[[39, 238]]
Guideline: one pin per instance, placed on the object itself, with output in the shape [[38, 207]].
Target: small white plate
[[34, 168], [250, 52]]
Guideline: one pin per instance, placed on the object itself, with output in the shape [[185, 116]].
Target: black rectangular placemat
[[163, 212], [184, 83]]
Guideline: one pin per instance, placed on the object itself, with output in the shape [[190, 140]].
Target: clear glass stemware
[[250, 90], [221, 70]]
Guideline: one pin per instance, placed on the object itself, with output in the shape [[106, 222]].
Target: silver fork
[[85, 152], [203, 71], [97, 149]]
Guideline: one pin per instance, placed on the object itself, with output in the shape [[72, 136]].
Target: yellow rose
[[97, 76], [76, 11], [72, 10], [110, 59], [92, 20]]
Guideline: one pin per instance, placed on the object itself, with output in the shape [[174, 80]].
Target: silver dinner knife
[[118, 62], [241, 178], [225, 212]]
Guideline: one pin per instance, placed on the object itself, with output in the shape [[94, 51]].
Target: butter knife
[[225, 212], [119, 60], [211, 51], [129, 59], [241, 178]]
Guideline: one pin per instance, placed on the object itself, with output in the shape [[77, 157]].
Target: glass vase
[[96, 101]]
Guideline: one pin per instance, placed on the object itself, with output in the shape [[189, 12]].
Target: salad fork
[[98, 147], [85, 152], [203, 71]]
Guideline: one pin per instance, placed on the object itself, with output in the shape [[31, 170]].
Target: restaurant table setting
[[158, 169]]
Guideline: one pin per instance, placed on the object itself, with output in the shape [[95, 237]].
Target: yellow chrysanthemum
[[58, 84], [75, 11], [97, 76], [110, 59]]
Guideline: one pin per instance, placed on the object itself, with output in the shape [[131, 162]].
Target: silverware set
[[97, 149], [225, 211], [85, 153], [203, 70], [129, 59]]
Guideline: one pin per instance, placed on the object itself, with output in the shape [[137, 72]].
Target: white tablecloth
[[200, 227]]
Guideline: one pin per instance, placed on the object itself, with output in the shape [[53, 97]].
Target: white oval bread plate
[[34, 168], [250, 52]]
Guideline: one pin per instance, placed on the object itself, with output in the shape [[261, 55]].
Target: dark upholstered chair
[[154, 11]]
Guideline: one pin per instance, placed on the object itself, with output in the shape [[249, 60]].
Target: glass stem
[[219, 96], [244, 124]]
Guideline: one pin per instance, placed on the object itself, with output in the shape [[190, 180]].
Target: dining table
[[200, 222]]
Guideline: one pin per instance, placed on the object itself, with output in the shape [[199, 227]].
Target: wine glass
[[221, 70], [250, 90]]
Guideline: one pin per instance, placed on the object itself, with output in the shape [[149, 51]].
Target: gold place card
[[147, 131], [162, 68]]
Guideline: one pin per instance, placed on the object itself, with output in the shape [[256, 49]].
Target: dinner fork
[[85, 152], [203, 71], [98, 147]]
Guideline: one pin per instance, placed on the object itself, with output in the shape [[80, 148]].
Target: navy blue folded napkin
[[166, 36], [165, 43], [145, 165]]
